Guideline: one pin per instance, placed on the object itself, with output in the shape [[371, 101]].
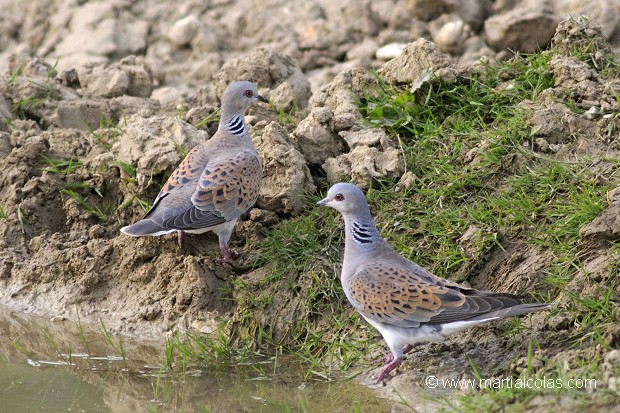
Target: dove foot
[[383, 359], [395, 362], [227, 256], [180, 237]]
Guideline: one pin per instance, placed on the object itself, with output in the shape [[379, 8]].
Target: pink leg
[[226, 254], [387, 369], [390, 363], [389, 356], [180, 237], [384, 359]]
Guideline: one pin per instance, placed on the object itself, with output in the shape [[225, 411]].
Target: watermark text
[[541, 383]]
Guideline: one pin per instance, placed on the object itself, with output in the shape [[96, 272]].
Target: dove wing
[[400, 297], [202, 193]]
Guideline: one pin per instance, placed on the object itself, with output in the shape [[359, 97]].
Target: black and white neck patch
[[236, 126], [362, 234]]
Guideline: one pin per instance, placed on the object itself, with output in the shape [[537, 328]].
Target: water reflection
[[56, 367]]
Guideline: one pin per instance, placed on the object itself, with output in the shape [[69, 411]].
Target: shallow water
[[52, 367]]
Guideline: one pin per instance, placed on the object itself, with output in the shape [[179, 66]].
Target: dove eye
[[339, 197], [248, 93]]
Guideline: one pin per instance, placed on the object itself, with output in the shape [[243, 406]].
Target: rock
[[315, 138], [131, 35], [367, 137], [451, 36], [568, 71], [69, 78], [606, 226], [97, 28], [581, 35], [334, 110], [364, 164], [5, 144], [183, 31], [130, 76], [333, 128], [417, 57], [130, 105], [286, 177], [206, 326], [340, 95], [474, 50], [92, 29], [363, 52], [82, 114], [473, 12], [5, 111], [390, 51], [611, 369], [604, 12], [151, 145], [555, 122], [171, 97], [505, 31], [428, 9], [25, 65], [406, 181], [286, 85], [109, 83]]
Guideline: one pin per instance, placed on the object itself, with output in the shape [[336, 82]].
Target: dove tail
[[512, 311], [515, 310], [145, 227]]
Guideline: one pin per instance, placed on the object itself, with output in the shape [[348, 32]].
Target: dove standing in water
[[217, 181], [405, 302]]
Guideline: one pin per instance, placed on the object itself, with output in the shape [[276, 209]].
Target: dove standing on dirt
[[217, 181], [406, 303]]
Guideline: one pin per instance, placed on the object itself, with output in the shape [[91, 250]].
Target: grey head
[[237, 98], [349, 200]]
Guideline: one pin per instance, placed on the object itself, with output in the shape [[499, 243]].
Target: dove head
[[347, 199], [237, 98]]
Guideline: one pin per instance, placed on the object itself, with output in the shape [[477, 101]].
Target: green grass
[[289, 118], [96, 209], [67, 168], [42, 93], [63, 167], [213, 117], [116, 342], [107, 133]]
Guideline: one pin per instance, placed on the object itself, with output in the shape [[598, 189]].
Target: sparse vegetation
[[41, 93], [213, 117], [61, 166], [289, 118], [107, 133], [96, 209]]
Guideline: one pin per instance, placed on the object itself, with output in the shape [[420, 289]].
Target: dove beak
[[262, 98], [323, 202]]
